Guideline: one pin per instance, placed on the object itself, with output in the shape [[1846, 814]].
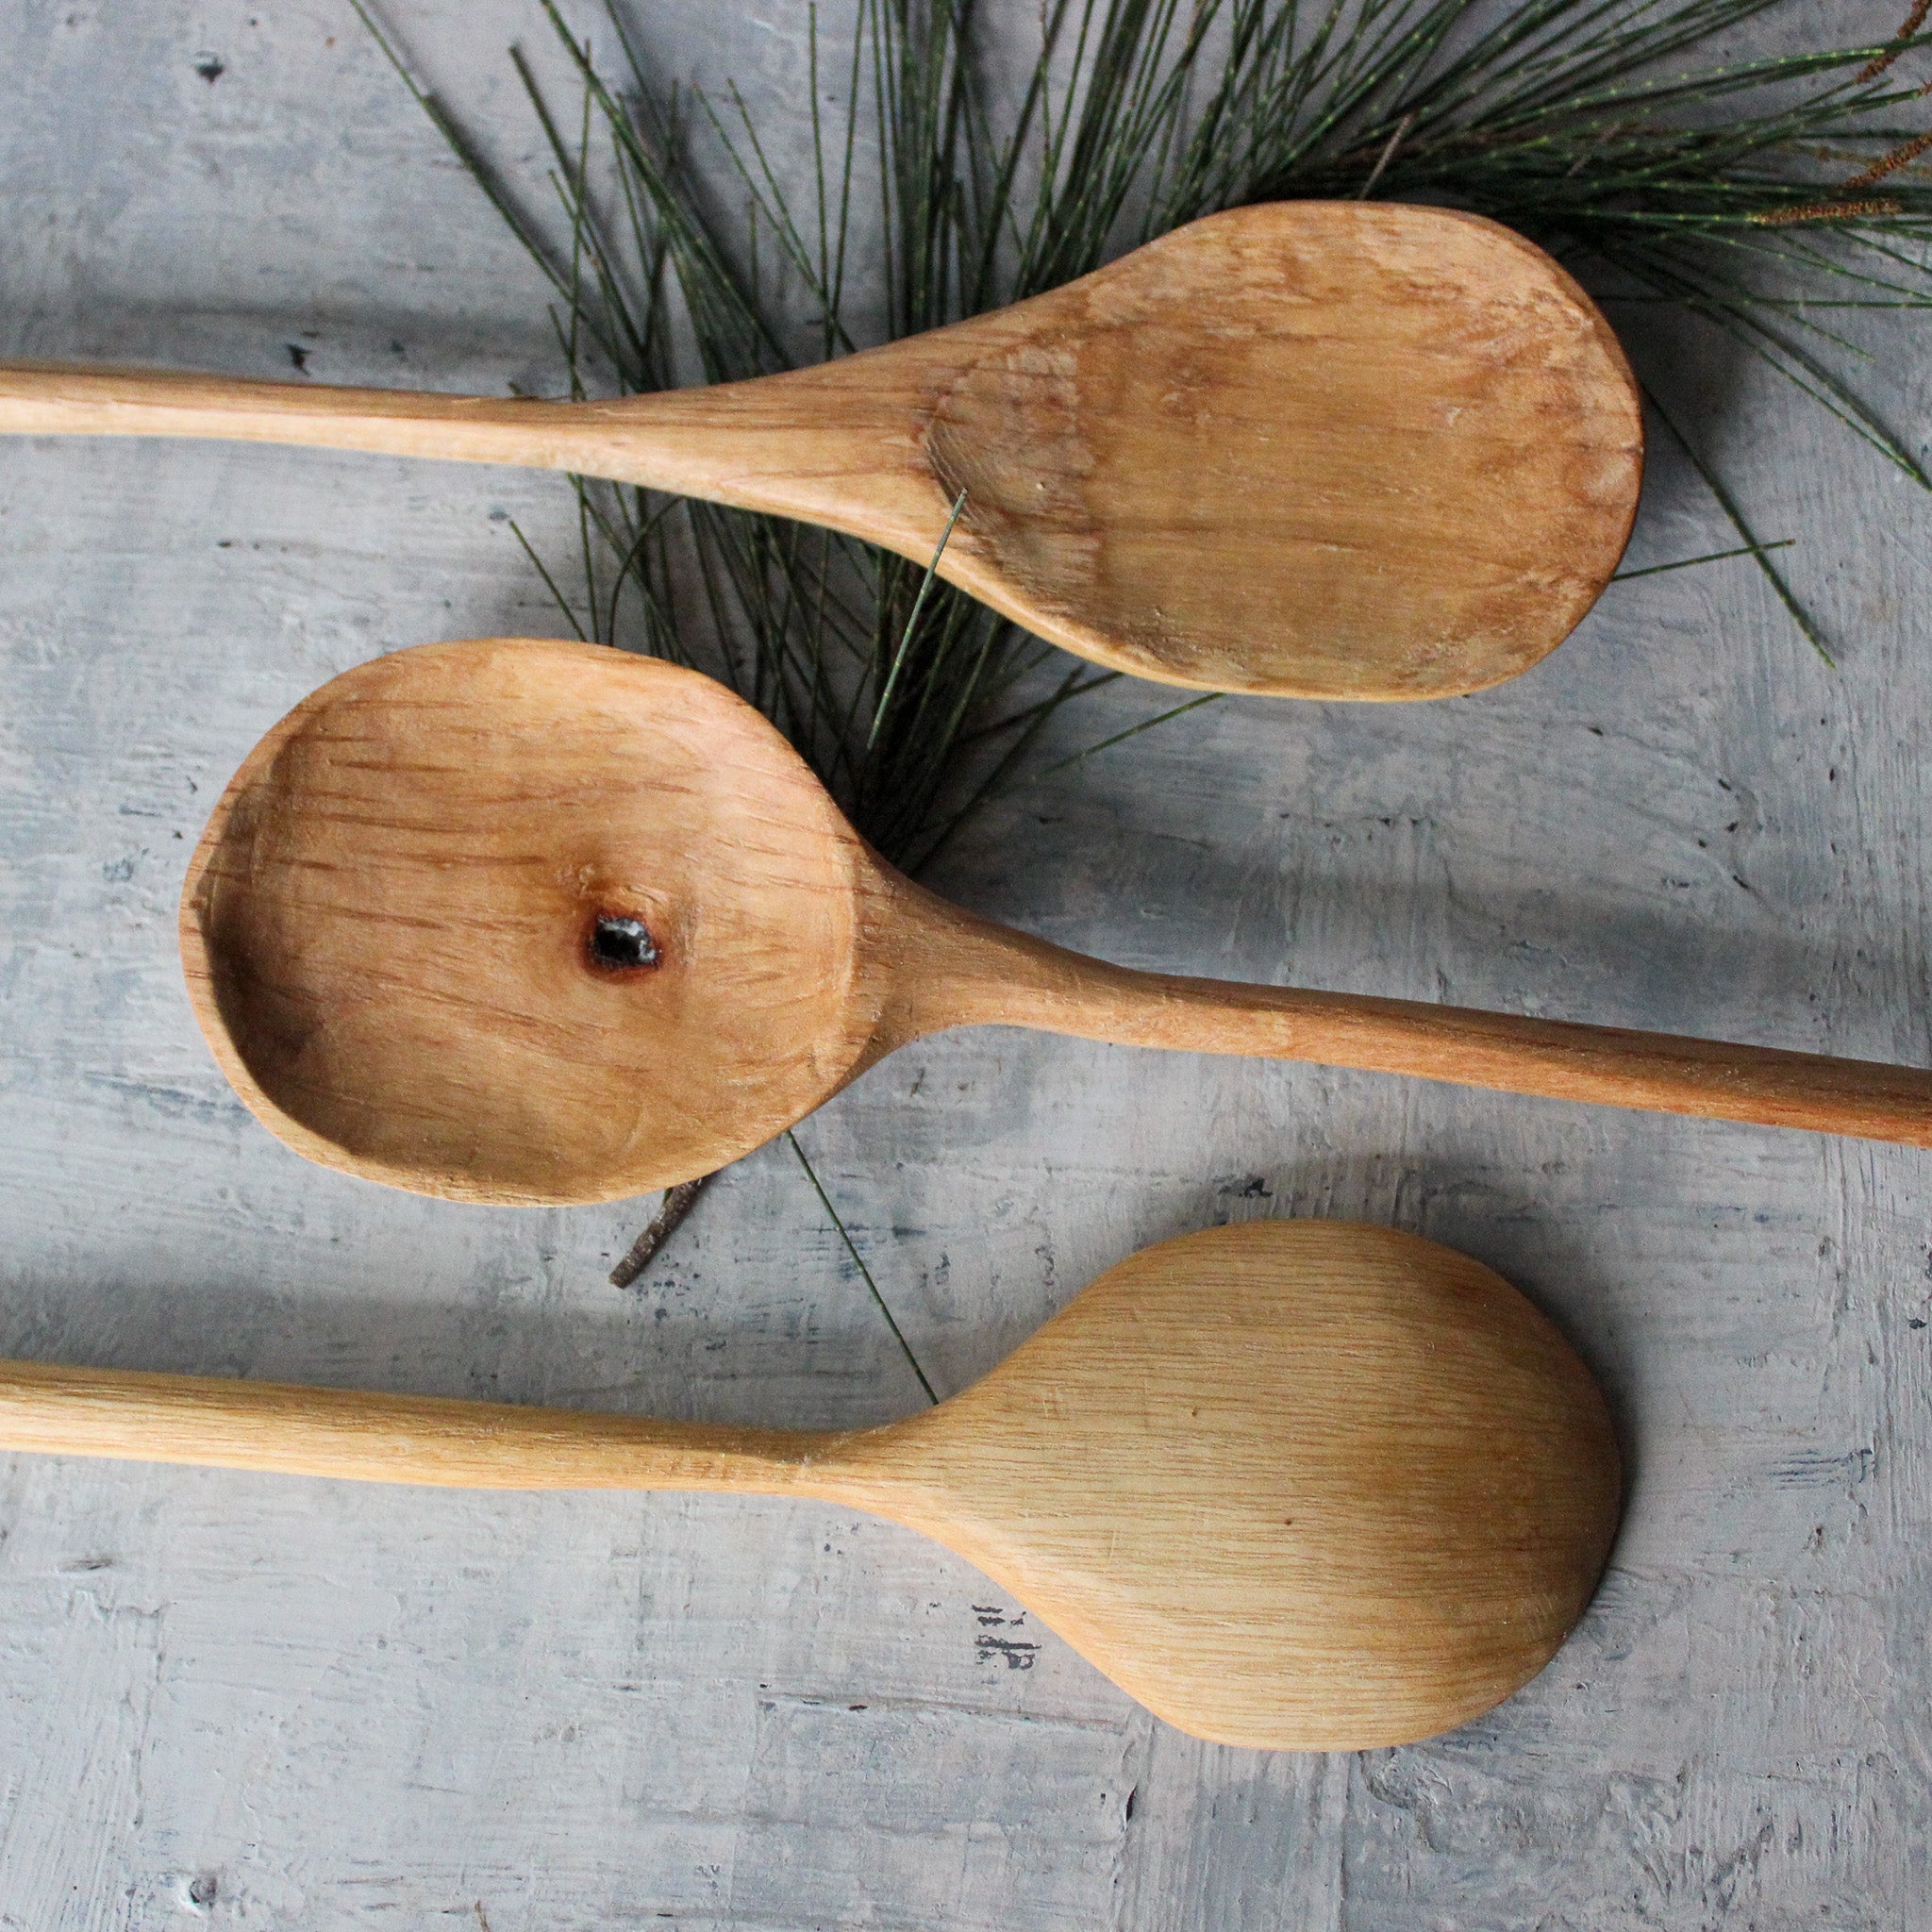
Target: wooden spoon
[[1328, 450], [534, 922], [1299, 1485]]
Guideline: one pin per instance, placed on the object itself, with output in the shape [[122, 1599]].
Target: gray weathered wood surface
[[292, 1705]]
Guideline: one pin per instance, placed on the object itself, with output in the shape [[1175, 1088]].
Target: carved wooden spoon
[[1299, 1485], [538, 921], [1331, 450]]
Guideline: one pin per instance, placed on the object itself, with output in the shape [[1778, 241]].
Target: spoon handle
[[58, 399], [218, 1422], [969, 972], [832, 446], [1659, 1073]]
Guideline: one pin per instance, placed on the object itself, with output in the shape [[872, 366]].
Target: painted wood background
[[288, 1704]]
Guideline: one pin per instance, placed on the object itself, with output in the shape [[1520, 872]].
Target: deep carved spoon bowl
[[1322, 449], [518, 921], [1292, 1484]]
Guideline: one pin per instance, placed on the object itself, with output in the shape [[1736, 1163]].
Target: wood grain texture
[[389, 930], [261, 1701], [1298, 1486], [1317, 449]]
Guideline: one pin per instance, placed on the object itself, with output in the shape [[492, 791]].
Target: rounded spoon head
[[1296, 1484], [1316, 449], [516, 920]]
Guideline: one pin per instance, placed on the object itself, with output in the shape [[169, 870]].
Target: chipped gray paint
[[252, 1702]]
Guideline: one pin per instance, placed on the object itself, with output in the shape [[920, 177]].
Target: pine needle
[[859, 1262], [1654, 570]]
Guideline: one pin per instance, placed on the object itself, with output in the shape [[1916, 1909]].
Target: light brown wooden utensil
[[1334, 450], [536, 921], [1299, 1485]]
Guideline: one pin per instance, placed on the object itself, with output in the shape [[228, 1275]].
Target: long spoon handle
[[966, 972], [386, 1439], [790, 445], [1659, 1073], [54, 399]]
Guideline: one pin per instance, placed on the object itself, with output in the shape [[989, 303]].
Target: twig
[[677, 1203], [1828, 212], [1899, 42], [1902, 156]]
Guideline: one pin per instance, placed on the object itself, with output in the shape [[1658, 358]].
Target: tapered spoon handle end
[[214, 1421], [53, 399], [1612, 1066]]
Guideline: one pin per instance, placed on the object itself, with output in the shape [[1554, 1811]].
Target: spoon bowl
[[489, 923], [1297, 1485], [1317, 449], [537, 922]]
